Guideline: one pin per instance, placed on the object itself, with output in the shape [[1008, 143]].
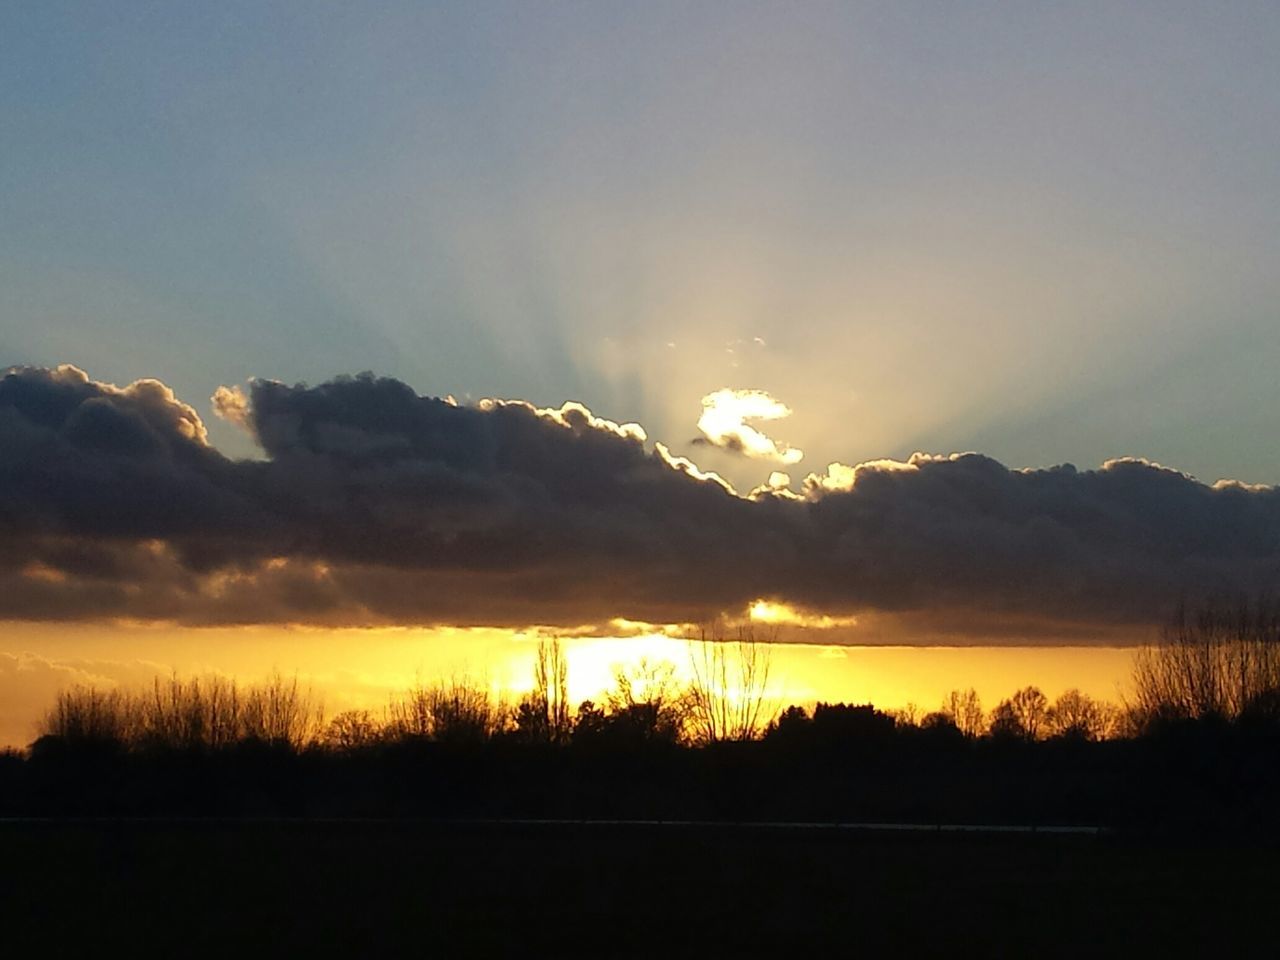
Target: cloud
[[232, 404], [772, 613], [375, 505], [724, 424]]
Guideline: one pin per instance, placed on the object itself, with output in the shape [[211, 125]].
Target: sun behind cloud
[[724, 424]]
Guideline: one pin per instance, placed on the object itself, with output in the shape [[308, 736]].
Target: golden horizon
[[365, 668]]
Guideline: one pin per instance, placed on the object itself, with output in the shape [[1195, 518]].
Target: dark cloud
[[376, 505]]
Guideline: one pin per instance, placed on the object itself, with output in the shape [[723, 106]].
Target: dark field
[[366, 888]]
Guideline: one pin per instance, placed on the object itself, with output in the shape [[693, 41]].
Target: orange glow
[[365, 668]]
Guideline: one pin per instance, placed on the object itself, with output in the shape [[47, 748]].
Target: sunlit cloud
[[778, 486], [842, 478], [632, 628], [724, 424], [776, 613], [690, 469], [571, 415], [231, 403]]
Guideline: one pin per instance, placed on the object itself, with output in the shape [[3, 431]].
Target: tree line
[[1217, 663]]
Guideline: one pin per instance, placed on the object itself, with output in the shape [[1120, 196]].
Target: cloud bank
[[373, 505]]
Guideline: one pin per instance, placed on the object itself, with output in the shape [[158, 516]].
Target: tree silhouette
[[191, 714], [648, 703], [198, 714], [789, 726], [459, 711], [590, 723], [353, 730], [964, 707], [86, 715], [1024, 716], [1078, 716], [1220, 660], [727, 694], [279, 711], [543, 714]]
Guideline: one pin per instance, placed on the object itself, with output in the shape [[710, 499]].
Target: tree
[[544, 713], [459, 711], [202, 713], [590, 723], [1024, 716], [280, 712], [789, 726], [940, 728], [648, 703], [179, 714], [907, 716], [86, 715], [848, 724], [727, 694], [1078, 716], [964, 707], [353, 730], [1218, 660]]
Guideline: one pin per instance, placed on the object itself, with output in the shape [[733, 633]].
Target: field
[[294, 888]]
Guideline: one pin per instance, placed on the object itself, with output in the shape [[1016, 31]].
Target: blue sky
[[1047, 232]]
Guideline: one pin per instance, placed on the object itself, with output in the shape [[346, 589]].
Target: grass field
[[362, 889]]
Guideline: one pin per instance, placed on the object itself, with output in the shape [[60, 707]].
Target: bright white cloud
[[724, 424]]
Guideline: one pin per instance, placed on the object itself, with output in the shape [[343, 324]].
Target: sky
[[774, 237]]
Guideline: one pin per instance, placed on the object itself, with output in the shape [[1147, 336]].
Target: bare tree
[[88, 715], [727, 694], [1078, 715], [1025, 715], [546, 710], [199, 713], [352, 730], [1219, 660], [459, 711], [907, 716], [964, 707], [191, 714], [279, 711]]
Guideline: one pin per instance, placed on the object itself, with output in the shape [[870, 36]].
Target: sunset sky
[[945, 330]]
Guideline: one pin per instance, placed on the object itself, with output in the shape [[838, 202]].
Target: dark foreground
[[284, 889]]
